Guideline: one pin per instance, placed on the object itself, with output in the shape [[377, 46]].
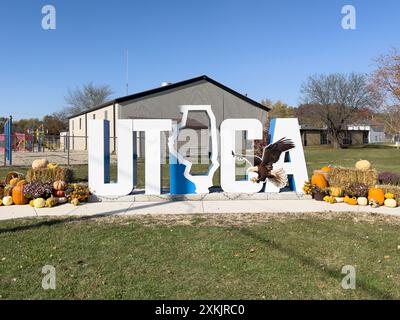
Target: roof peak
[[170, 87]]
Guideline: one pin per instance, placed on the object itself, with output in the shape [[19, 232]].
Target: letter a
[[49, 20], [296, 167], [349, 20]]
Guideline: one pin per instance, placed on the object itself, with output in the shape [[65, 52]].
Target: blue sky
[[263, 48]]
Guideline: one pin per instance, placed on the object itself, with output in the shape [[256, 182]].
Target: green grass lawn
[[198, 257], [383, 158], [81, 173]]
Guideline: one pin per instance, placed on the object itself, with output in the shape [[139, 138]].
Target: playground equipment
[[19, 142], [31, 141], [39, 135], [8, 142]]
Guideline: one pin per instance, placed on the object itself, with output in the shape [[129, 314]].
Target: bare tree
[[279, 109], [386, 80], [308, 115], [89, 96], [338, 97], [391, 117]]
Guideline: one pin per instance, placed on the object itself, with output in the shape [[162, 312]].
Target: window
[[94, 116], [73, 125], [80, 123], [347, 138], [106, 115], [324, 137]]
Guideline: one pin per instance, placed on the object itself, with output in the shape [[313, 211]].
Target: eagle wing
[[248, 159], [272, 152]]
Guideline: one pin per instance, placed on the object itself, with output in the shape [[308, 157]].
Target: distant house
[[319, 136], [376, 133]]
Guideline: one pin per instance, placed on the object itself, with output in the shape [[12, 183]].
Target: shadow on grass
[[339, 231], [55, 221], [310, 262], [373, 146]]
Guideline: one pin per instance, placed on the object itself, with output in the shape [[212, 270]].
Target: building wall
[[313, 137], [78, 127], [102, 114], [77, 132], [357, 137], [376, 135], [165, 105]]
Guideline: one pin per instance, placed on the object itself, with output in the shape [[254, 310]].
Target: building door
[[347, 138], [324, 137], [365, 137]]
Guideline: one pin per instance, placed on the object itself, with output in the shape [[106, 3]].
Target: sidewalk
[[188, 207]]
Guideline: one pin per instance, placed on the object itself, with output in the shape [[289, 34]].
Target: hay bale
[[49, 175], [369, 177], [391, 189], [343, 177]]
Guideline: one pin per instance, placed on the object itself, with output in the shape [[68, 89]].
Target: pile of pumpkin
[[18, 190], [353, 193]]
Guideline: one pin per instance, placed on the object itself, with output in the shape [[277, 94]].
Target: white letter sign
[[296, 167], [99, 158], [291, 160], [152, 130], [228, 177]]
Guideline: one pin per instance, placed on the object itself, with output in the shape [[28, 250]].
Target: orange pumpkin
[[352, 201], [18, 195], [376, 194], [22, 182], [319, 180], [327, 169]]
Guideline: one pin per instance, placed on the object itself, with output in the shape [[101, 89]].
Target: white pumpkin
[[339, 199], [391, 203], [7, 201], [363, 165], [362, 201], [62, 200], [40, 163]]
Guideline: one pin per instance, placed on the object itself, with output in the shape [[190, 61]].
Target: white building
[[376, 133]]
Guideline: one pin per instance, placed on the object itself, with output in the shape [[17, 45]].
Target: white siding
[[78, 141]]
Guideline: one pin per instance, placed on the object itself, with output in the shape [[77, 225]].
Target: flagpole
[[127, 72]]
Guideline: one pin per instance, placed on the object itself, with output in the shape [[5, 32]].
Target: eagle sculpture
[[264, 166]]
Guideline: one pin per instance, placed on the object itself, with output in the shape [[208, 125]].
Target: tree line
[[334, 101], [76, 101]]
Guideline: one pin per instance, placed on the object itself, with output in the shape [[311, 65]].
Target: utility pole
[[127, 71]]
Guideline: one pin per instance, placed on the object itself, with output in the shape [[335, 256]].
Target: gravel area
[[60, 157]]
